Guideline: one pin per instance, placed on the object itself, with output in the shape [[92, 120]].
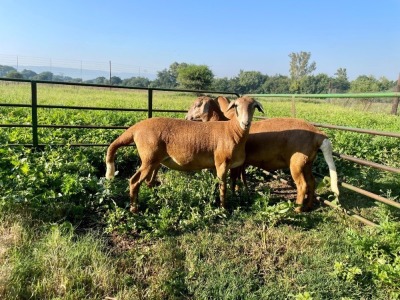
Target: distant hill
[[85, 74]]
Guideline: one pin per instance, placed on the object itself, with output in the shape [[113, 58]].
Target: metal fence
[[35, 125], [34, 107]]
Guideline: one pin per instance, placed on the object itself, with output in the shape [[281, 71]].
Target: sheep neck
[[216, 116], [239, 134]]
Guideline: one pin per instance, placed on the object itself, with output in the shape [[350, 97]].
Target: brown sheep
[[277, 143], [186, 146]]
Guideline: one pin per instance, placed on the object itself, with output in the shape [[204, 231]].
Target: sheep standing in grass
[[186, 146], [274, 144]]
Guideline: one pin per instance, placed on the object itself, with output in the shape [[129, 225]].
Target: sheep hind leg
[[244, 179], [310, 181], [152, 182], [145, 172], [298, 177], [235, 174]]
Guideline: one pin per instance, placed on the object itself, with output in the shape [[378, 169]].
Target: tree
[[234, 85], [28, 74], [318, 84], [46, 76], [60, 78], [173, 68], [277, 84], [364, 84], [115, 80], [341, 73], [6, 69], [340, 83], [197, 77], [100, 80], [385, 84], [250, 81], [165, 79], [222, 85], [136, 82], [300, 67], [14, 75]]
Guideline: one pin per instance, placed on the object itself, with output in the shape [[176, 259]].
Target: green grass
[[66, 233], [240, 258]]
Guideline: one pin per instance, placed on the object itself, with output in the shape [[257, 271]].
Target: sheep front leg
[[221, 174]]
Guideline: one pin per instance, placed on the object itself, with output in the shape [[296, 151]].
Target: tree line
[[200, 77]]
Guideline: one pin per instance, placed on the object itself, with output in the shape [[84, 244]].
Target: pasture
[[67, 233]]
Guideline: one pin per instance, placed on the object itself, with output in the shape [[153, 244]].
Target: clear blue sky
[[361, 36]]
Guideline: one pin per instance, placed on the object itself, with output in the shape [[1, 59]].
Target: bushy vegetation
[[66, 233]]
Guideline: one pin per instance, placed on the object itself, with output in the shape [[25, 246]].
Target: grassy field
[[66, 233]]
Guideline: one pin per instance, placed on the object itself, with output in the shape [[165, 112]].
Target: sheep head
[[244, 109], [200, 110]]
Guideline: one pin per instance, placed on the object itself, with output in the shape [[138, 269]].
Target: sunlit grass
[[328, 113], [60, 264]]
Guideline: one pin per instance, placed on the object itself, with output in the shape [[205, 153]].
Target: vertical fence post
[[35, 140], [150, 103], [395, 103]]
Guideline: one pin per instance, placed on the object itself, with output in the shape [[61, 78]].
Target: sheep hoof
[[153, 183], [134, 209], [301, 209], [298, 209]]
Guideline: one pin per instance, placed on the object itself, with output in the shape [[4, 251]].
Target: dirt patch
[[120, 244], [281, 191]]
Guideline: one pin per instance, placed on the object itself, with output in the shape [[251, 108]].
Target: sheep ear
[[231, 105], [259, 106]]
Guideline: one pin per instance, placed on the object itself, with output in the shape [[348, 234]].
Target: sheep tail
[[326, 149], [123, 140]]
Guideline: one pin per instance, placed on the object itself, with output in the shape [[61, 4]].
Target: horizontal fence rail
[[344, 128], [349, 213], [34, 125], [324, 96], [367, 163], [359, 130]]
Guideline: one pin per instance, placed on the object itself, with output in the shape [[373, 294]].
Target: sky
[[227, 36]]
